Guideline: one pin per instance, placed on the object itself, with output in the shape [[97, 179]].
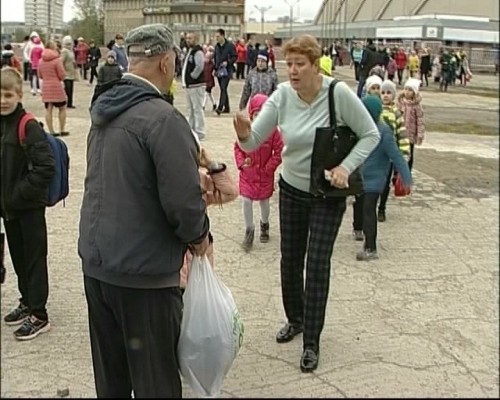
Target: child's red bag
[[400, 190]]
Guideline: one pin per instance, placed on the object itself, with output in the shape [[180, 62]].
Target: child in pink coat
[[35, 59], [257, 176]]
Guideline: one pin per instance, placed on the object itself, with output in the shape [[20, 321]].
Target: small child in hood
[[110, 71], [374, 177], [372, 86], [392, 68], [209, 77], [410, 104], [393, 117], [9, 59], [257, 176]]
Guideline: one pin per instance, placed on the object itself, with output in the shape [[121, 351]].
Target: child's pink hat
[[256, 103]]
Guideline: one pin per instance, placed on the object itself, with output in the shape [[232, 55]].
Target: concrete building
[[200, 16], [44, 15], [451, 22]]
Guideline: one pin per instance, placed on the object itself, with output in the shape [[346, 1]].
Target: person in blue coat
[[375, 170]]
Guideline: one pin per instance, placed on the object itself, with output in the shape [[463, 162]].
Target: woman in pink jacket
[[52, 73], [35, 55], [257, 176]]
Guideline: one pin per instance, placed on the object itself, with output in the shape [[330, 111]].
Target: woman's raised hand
[[242, 125]]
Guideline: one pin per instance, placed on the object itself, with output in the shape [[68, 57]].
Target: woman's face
[[301, 72], [409, 93]]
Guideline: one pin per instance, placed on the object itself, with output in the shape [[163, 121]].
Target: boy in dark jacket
[[93, 60], [26, 174], [110, 71]]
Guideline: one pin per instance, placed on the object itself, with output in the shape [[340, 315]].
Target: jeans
[[68, 88]]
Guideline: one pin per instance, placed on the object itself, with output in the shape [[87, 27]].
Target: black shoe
[[309, 360], [219, 112], [31, 328], [55, 134], [65, 133], [288, 332], [264, 232], [381, 216], [214, 107], [17, 316]]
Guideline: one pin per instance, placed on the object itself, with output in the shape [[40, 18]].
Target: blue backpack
[[59, 186]]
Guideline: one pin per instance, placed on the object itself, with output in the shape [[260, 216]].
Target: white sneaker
[[39, 91], [33, 92]]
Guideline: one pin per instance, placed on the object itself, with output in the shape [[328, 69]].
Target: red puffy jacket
[[401, 59]]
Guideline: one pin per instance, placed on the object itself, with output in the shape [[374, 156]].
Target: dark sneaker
[[367, 255], [31, 328], [264, 232], [65, 133], [248, 240], [358, 236], [17, 315], [381, 216]]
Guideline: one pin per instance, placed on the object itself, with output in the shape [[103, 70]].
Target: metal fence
[[483, 59]]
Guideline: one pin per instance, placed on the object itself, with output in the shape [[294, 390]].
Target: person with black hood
[[368, 61], [142, 210]]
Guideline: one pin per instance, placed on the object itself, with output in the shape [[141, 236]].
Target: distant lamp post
[[291, 4], [262, 11]]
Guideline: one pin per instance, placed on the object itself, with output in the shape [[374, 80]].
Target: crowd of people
[[149, 180], [399, 64]]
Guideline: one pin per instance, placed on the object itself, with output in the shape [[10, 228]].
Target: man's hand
[[247, 163], [339, 177], [200, 249], [224, 63], [205, 160], [242, 126]]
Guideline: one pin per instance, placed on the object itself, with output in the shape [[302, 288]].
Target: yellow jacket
[[173, 88], [394, 118], [413, 63], [325, 65]]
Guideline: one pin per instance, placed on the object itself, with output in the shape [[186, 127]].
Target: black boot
[[248, 240], [264, 232]]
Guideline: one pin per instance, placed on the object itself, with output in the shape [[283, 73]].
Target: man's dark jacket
[[23, 188], [142, 202], [225, 52], [371, 57]]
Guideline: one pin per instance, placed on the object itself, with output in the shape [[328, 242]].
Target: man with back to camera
[[142, 209]]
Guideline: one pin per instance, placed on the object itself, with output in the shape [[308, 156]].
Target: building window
[[209, 18], [226, 19]]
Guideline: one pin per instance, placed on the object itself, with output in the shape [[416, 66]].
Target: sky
[[13, 10]]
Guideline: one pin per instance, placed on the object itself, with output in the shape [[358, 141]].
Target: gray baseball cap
[[150, 40]]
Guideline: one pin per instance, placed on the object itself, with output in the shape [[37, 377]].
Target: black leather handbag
[[331, 146]]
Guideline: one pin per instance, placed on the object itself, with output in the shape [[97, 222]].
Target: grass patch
[[474, 91], [467, 128]]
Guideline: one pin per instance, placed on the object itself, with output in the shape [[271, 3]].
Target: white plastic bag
[[211, 331]]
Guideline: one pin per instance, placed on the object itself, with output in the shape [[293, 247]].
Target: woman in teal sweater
[[375, 170], [308, 224]]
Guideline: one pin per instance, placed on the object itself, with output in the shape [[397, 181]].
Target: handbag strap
[[331, 104]]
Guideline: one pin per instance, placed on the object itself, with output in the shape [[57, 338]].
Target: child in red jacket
[[257, 176]]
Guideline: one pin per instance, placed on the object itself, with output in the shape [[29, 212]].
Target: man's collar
[[143, 80]]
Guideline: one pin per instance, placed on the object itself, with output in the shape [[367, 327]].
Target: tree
[[89, 21], [20, 34]]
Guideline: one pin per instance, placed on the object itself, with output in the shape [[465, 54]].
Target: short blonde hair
[[11, 79], [306, 45]]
